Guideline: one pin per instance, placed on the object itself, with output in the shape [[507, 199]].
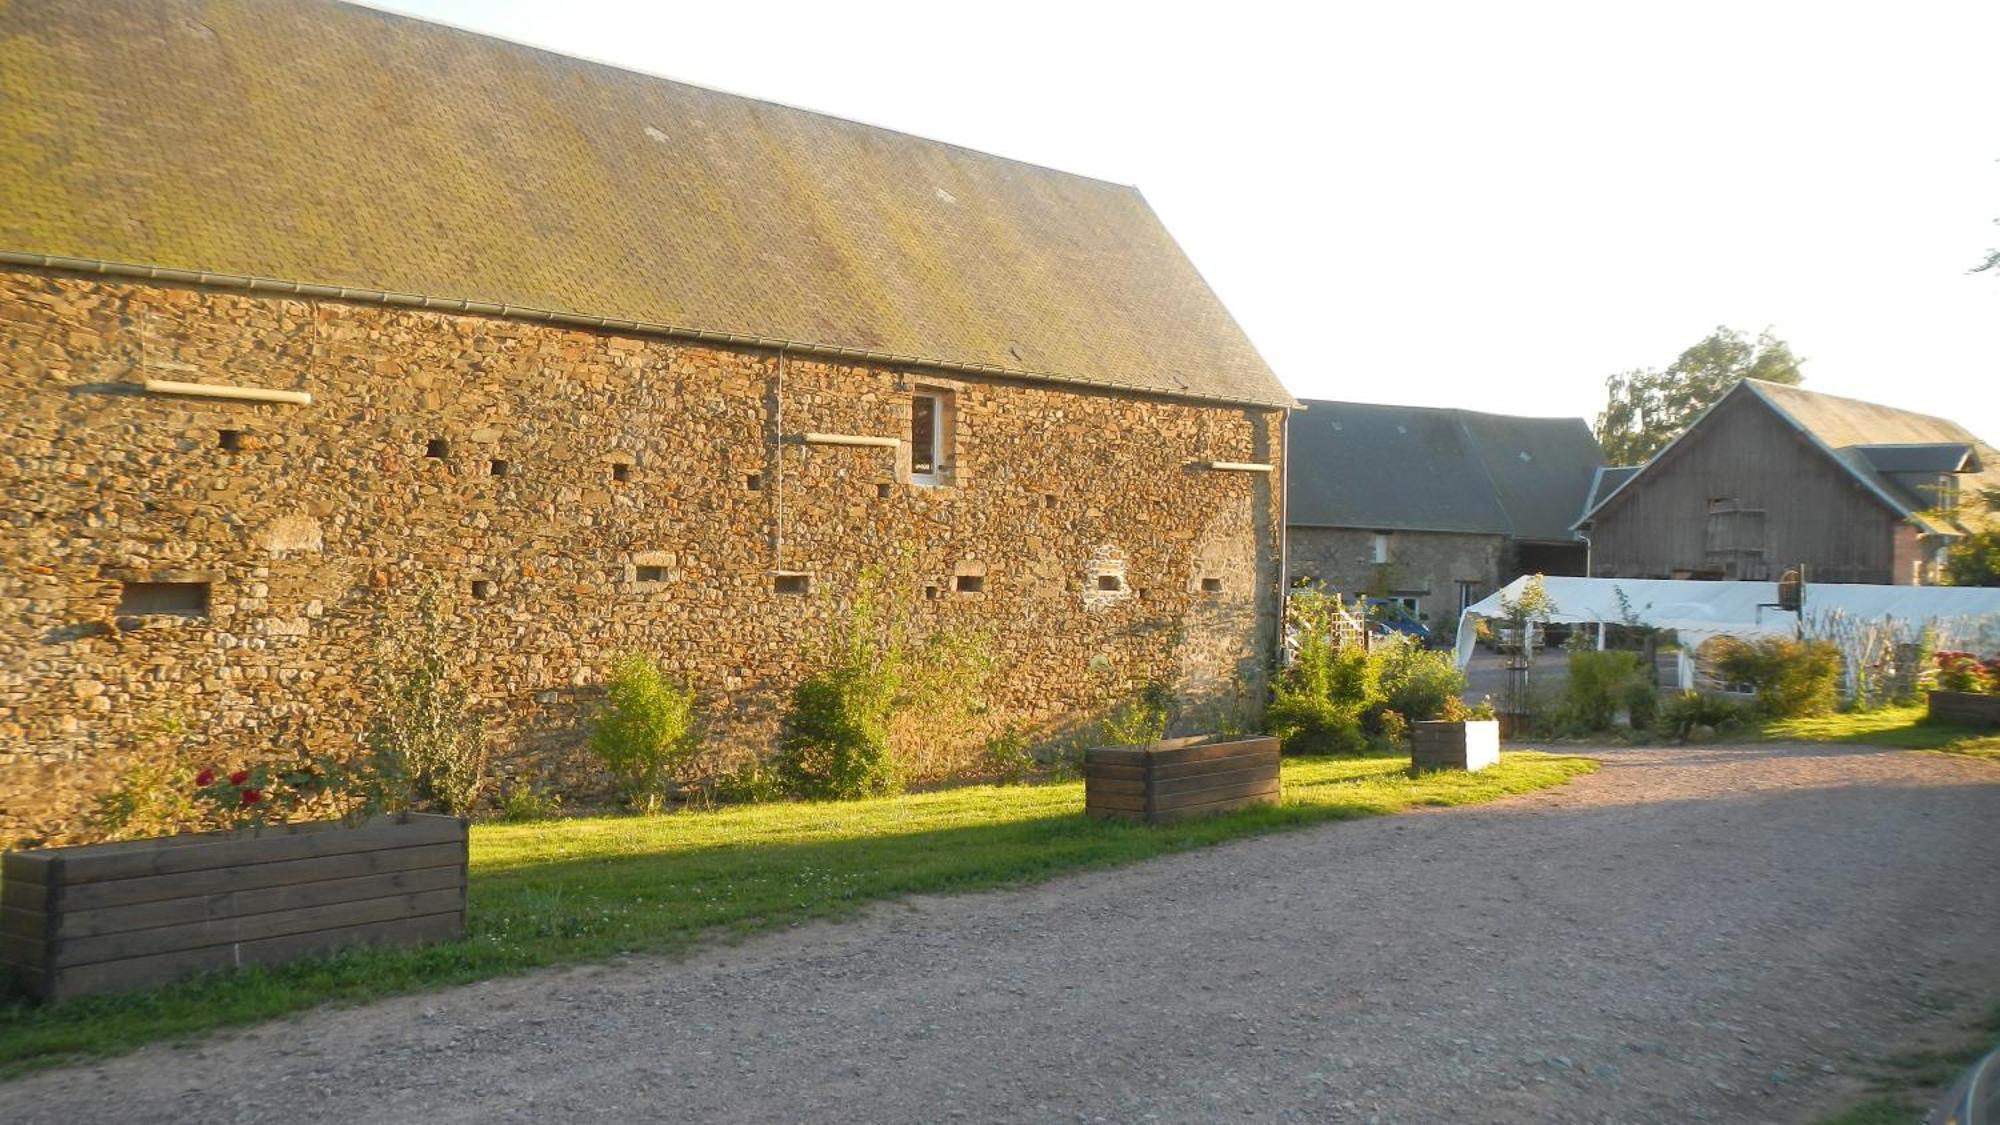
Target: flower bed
[[1470, 745], [112, 917], [1963, 708], [1179, 778]]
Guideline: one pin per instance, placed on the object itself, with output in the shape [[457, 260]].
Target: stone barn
[[311, 314]]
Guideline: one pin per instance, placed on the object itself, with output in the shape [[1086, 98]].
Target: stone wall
[[568, 496], [1426, 565]]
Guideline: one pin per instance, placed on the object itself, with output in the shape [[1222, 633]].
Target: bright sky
[[1482, 205]]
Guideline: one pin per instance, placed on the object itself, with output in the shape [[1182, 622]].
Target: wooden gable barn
[[1773, 477]]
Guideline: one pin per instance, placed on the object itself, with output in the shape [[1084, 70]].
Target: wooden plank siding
[[108, 917], [1743, 496], [1180, 778]]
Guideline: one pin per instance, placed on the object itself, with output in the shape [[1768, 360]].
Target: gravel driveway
[[1713, 934]]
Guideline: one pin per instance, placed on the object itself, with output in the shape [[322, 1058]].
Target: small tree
[[425, 739], [646, 731], [1974, 560], [836, 741], [1529, 613]]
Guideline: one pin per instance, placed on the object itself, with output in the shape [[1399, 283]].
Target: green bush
[[1395, 730], [525, 802], [646, 730], [1600, 683], [753, 782], [424, 737], [1007, 756], [1642, 703], [1793, 679], [1416, 682], [1689, 710], [1140, 720], [1321, 694]]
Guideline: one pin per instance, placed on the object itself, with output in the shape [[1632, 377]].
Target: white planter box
[[1472, 745]]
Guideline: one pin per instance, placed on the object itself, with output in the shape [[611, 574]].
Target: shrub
[[1417, 682], [1007, 756], [525, 802], [1690, 710], [646, 730], [151, 799], [1794, 679], [1394, 728], [1642, 704], [1140, 720], [1600, 683], [836, 741], [753, 782], [426, 741]]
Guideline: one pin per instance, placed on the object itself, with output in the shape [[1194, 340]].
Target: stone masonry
[[568, 495]]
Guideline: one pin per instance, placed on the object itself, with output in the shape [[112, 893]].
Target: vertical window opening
[[924, 417]]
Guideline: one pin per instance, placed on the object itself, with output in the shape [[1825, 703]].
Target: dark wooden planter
[[1472, 745], [1180, 777], [1965, 708], [111, 917]]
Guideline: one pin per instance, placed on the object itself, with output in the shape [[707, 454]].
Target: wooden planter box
[[1179, 777], [1965, 708], [112, 917], [1472, 745]]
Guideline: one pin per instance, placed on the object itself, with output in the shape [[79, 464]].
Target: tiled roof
[[317, 142], [1415, 468]]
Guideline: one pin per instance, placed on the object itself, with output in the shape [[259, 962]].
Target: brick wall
[[569, 461]]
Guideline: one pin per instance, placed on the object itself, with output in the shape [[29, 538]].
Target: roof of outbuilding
[[1895, 454], [1417, 468], [319, 142]]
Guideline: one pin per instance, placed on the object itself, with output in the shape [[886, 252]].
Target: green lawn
[[1903, 727], [576, 889]]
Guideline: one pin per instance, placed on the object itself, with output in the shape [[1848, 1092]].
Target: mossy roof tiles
[[311, 141]]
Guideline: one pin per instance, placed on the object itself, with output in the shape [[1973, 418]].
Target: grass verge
[[570, 890], [1901, 1086], [1902, 727]]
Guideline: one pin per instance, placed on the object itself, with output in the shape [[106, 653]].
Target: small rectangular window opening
[[1381, 547], [754, 482], [969, 583], [930, 592], [482, 588], [437, 447], [1211, 585], [1110, 582], [924, 420], [652, 574], [229, 441], [882, 491], [621, 472], [176, 599], [497, 467], [792, 583]]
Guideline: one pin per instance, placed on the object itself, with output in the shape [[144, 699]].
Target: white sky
[[1482, 205]]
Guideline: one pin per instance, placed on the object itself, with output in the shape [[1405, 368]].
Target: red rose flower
[[252, 796], [239, 777], [204, 779]]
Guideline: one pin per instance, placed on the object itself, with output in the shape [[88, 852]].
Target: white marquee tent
[[1962, 616]]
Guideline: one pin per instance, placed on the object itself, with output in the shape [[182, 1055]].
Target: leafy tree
[[1648, 408], [1975, 559], [645, 731]]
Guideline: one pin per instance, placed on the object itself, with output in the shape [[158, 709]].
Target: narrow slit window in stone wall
[[1110, 582], [437, 448], [1211, 585], [177, 599], [621, 472], [930, 436], [792, 584], [497, 467], [754, 482], [652, 574], [482, 588], [970, 583], [229, 441]]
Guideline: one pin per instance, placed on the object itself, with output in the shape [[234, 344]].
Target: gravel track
[[1722, 934]]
